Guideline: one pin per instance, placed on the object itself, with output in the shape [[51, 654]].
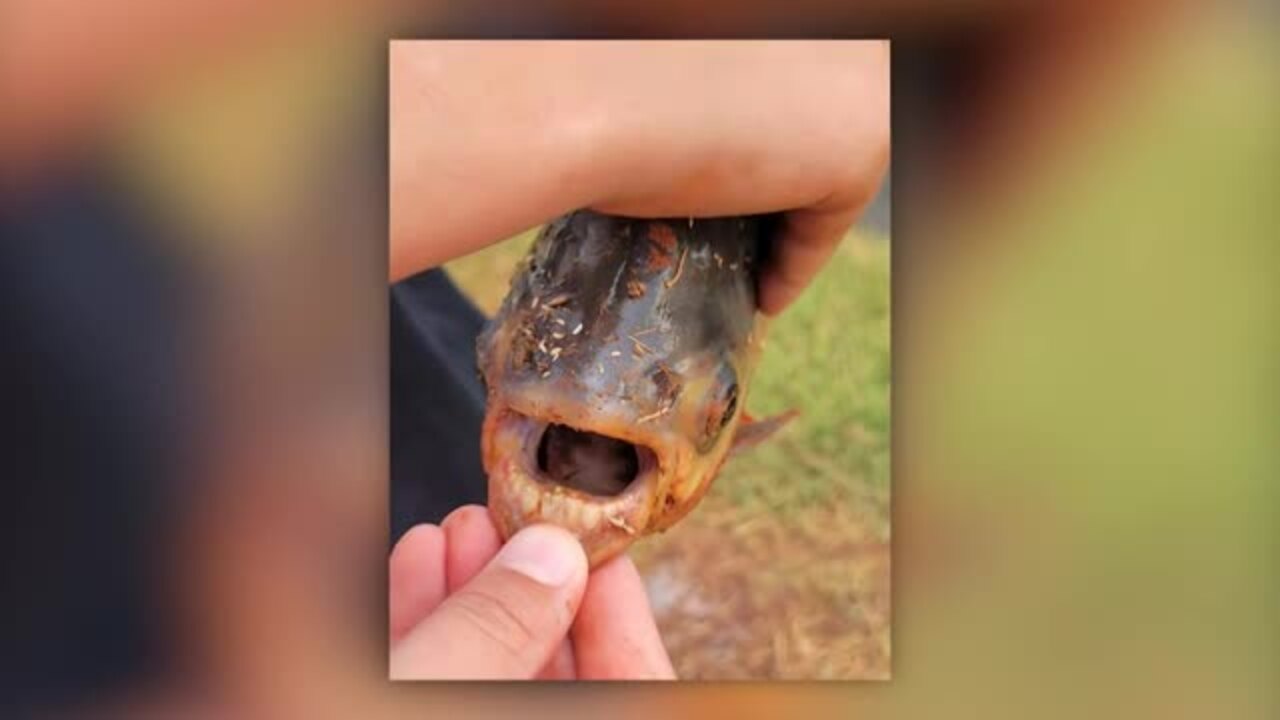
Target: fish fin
[[752, 432]]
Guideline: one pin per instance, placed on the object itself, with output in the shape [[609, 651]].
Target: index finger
[[806, 241]]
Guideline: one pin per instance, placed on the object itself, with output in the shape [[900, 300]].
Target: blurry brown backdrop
[[1085, 339]]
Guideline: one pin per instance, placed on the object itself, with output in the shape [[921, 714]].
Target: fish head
[[616, 374]]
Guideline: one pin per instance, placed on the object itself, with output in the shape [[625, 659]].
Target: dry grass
[[748, 595]]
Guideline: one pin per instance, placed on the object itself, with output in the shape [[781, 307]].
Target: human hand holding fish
[[493, 139]]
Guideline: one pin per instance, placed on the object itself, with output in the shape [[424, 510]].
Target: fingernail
[[546, 555]]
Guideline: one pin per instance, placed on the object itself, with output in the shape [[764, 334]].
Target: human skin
[[457, 613], [489, 139]]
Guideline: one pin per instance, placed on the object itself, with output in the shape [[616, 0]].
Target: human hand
[[488, 139], [464, 606], [707, 129]]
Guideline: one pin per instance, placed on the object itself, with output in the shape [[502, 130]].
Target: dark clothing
[[98, 410], [96, 418], [437, 401]]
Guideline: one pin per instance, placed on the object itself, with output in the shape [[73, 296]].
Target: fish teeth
[[556, 509], [589, 515], [528, 498], [619, 522]]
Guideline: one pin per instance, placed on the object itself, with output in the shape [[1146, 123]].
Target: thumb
[[508, 620]]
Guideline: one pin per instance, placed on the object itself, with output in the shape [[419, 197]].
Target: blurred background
[[1083, 438]]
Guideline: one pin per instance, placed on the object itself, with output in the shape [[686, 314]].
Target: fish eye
[[730, 404], [720, 409]]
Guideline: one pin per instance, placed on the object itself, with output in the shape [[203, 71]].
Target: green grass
[[827, 356]]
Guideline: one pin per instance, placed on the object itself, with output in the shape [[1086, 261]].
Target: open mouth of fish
[[595, 484]]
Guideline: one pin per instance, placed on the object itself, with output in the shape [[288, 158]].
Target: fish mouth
[[589, 462], [593, 483]]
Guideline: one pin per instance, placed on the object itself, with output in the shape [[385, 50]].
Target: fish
[[616, 374]]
